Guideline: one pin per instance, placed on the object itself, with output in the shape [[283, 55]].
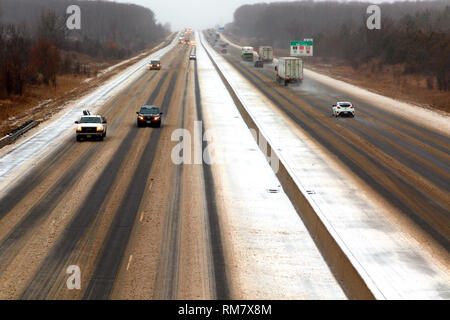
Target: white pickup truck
[[289, 70], [91, 126]]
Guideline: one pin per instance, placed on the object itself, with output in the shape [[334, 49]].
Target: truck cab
[[247, 53]]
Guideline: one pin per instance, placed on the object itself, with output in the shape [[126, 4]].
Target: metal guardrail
[[12, 136], [4, 141]]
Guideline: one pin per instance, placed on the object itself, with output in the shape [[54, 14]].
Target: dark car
[[259, 64], [154, 65], [149, 115]]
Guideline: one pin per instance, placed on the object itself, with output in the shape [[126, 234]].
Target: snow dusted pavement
[[270, 254], [50, 135], [394, 261]]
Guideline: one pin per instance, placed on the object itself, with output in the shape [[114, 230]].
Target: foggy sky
[[198, 14]]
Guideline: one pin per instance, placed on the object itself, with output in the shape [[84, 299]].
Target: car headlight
[[79, 128], [156, 118], [99, 128], [141, 118]]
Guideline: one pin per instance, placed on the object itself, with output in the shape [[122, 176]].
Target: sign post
[[302, 48]]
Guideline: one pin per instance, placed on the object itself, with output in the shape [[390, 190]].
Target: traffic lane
[[426, 141], [49, 171], [314, 88], [31, 149], [385, 133], [36, 225], [93, 218], [425, 205], [169, 255], [420, 139], [49, 229], [428, 162], [427, 168], [40, 173]]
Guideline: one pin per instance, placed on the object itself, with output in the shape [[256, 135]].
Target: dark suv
[[154, 65], [149, 115]]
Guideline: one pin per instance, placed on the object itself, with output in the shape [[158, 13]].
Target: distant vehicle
[[259, 63], [266, 53], [343, 109], [247, 53], [154, 65], [149, 115], [289, 70], [192, 56], [91, 126]]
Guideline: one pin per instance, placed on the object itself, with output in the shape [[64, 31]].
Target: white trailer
[[289, 70], [266, 53]]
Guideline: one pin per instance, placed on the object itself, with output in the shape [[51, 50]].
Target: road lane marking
[[129, 261]]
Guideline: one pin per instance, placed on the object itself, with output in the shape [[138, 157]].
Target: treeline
[[416, 34], [36, 45]]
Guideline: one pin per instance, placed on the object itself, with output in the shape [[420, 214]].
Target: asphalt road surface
[[119, 209], [408, 165]]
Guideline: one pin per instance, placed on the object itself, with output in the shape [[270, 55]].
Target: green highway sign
[[301, 43], [302, 48]]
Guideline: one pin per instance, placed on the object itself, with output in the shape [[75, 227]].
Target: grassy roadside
[[40, 103], [388, 81]]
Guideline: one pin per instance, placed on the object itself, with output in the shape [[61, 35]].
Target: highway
[[98, 191], [140, 226], [407, 164]]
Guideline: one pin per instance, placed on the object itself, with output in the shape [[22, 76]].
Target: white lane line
[[129, 261]]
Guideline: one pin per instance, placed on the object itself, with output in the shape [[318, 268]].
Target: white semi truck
[[289, 70], [266, 53]]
